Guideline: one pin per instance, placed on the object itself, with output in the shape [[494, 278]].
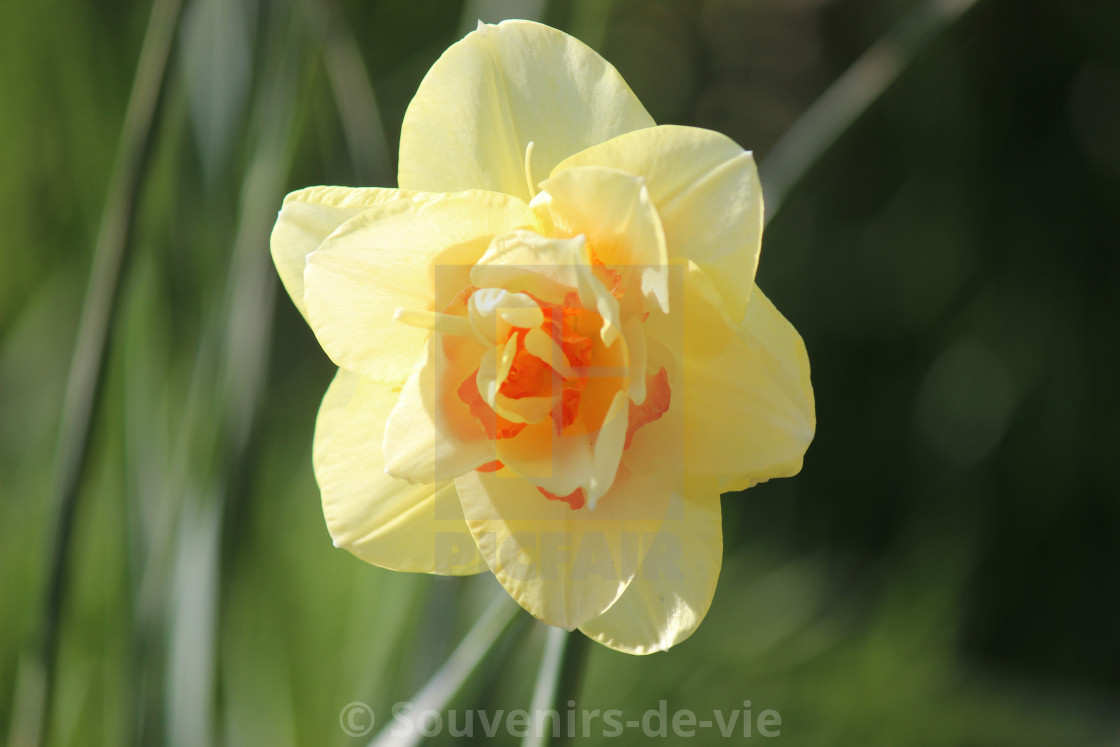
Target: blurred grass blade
[[451, 677], [354, 97], [216, 46], [240, 329], [193, 621], [838, 108], [357, 108], [34, 693], [547, 685]]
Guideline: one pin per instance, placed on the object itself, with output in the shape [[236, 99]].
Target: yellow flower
[[552, 354]]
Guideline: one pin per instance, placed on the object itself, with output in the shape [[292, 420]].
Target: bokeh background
[[944, 571]]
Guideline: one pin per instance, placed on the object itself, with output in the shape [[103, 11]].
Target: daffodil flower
[[552, 355]]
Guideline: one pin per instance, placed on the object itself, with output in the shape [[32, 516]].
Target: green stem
[[838, 108], [450, 678], [557, 686], [571, 677], [548, 684], [84, 386]]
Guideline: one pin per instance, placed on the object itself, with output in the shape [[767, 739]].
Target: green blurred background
[[945, 569]]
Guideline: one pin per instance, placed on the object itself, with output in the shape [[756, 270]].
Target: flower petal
[[548, 269], [746, 399], [585, 454], [499, 89], [673, 590], [431, 435], [613, 211], [560, 464], [635, 335], [658, 444], [489, 308], [706, 190], [565, 566], [609, 444], [307, 217], [383, 520], [410, 253]]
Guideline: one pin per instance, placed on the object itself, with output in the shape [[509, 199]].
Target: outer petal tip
[[668, 600], [505, 85], [382, 520]]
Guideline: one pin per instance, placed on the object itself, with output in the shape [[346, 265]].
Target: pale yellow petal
[[383, 520], [673, 590], [431, 434], [493, 311], [613, 211], [746, 399], [706, 191], [768, 330], [545, 347], [411, 253], [607, 456], [635, 335], [658, 446], [307, 217], [499, 89], [564, 566], [561, 464], [548, 269], [735, 484]]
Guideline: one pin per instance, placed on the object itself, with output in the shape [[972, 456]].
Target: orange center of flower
[[571, 328], [530, 376]]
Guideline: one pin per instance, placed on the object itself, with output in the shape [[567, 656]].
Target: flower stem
[[557, 686], [450, 678], [838, 108]]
